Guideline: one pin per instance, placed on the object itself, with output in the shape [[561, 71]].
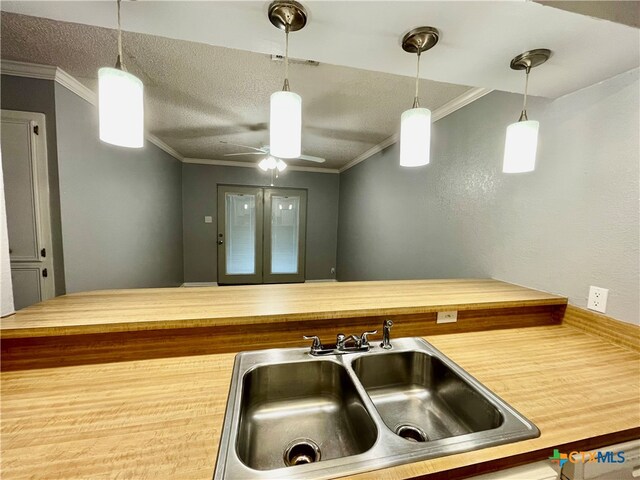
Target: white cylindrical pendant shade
[[520, 147], [285, 125], [121, 108], [415, 137]]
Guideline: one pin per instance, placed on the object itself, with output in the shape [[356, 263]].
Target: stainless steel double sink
[[294, 415]]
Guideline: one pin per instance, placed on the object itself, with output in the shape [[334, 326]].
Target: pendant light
[[415, 123], [120, 103], [285, 121], [521, 141]]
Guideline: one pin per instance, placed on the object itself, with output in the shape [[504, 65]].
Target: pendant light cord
[[523, 115], [119, 61], [416, 102], [286, 60]]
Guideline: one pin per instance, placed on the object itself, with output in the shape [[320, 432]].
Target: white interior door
[[26, 189]]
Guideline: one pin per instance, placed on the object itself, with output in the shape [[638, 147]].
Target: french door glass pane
[[240, 235], [285, 223]]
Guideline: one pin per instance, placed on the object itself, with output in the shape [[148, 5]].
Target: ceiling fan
[[264, 150]]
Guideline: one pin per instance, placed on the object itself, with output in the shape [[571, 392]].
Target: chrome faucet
[[342, 339], [358, 344], [386, 335]]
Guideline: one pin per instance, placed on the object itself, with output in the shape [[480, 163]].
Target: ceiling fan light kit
[[415, 123], [271, 163], [120, 103], [285, 119], [521, 142]]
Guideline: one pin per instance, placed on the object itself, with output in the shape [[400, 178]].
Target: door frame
[[256, 277], [299, 277], [40, 172]]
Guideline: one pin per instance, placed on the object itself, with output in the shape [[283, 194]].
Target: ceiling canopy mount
[[530, 59], [420, 39], [287, 15]]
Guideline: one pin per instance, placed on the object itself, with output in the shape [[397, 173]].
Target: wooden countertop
[[161, 418], [167, 308]]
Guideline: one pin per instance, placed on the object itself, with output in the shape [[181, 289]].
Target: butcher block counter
[[72, 408], [167, 308]]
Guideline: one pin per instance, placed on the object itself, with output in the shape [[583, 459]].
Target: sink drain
[[411, 433], [300, 452]]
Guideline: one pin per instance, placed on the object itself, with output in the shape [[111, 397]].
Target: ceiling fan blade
[[242, 154], [311, 158], [244, 146]]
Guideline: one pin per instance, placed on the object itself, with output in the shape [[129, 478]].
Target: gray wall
[[199, 186], [34, 95], [121, 208], [570, 224]]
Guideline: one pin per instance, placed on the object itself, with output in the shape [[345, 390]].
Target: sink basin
[[421, 399], [293, 415], [298, 413]]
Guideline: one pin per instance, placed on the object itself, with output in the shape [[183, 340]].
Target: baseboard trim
[[615, 331]]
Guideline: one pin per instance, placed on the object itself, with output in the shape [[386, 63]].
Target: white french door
[[261, 235], [240, 212]]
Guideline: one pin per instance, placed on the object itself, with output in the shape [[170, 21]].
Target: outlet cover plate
[[598, 299], [447, 317]]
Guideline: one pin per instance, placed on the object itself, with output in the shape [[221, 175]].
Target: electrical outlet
[[598, 299], [447, 317]]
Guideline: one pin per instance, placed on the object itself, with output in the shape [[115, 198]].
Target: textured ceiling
[[477, 41], [198, 95]]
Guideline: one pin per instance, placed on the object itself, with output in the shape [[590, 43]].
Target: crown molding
[[231, 163], [29, 70], [56, 74], [448, 108], [163, 146], [457, 103], [49, 72], [70, 83], [371, 152]]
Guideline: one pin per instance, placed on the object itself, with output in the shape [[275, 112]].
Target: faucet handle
[[365, 337], [342, 339], [316, 344]]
